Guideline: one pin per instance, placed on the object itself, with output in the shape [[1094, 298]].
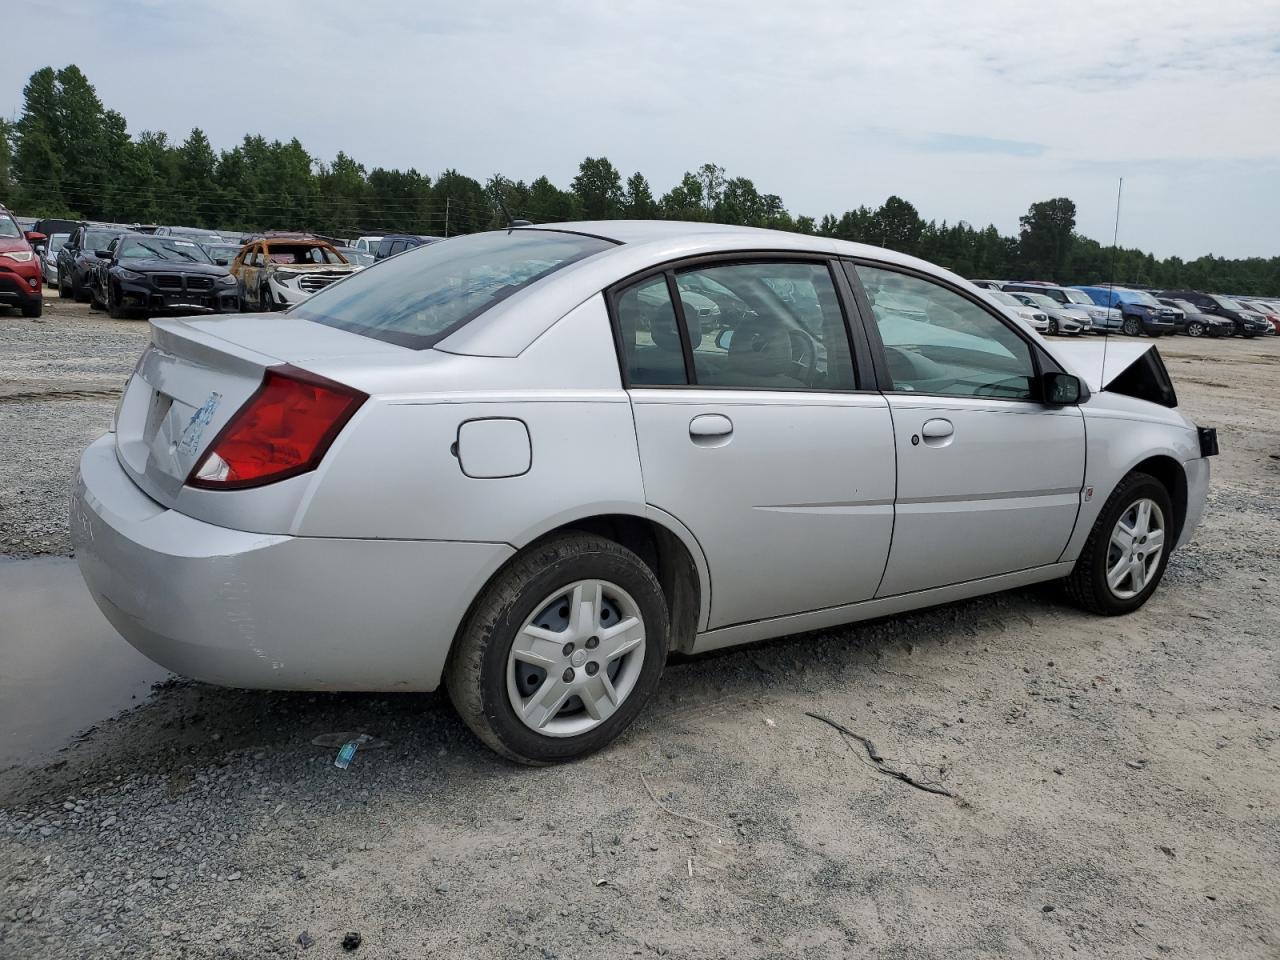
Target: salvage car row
[[1102, 308]]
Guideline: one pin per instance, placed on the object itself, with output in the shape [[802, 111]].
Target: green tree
[[598, 187], [638, 203], [6, 160], [684, 201], [896, 225], [1047, 231]]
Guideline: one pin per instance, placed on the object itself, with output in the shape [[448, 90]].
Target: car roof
[[508, 327]]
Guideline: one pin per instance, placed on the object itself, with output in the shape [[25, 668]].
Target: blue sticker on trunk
[[194, 429]]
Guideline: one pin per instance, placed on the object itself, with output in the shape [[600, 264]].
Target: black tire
[[1087, 584], [1195, 329], [64, 291], [78, 291], [476, 674], [1053, 327], [1131, 327], [266, 302], [115, 310], [33, 310]]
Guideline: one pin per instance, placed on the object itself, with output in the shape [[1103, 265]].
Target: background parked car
[[1033, 317], [368, 244], [149, 275], [988, 284], [20, 272], [49, 257], [1140, 312], [357, 257], [1247, 323], [96, 269], [76, 257], [279, 270], [1268, 311], [222, 253], [1196, 323], [1060, 320], [391, 245], [191, 233], [1069, 299]]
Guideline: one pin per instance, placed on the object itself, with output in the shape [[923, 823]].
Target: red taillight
[[283, 430]]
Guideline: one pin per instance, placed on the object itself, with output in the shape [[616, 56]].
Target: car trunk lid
[[196, 375]]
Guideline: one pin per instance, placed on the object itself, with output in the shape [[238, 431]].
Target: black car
[[75, 259], [1196, 323], [1246, 322], [147, 275], [395, 243]]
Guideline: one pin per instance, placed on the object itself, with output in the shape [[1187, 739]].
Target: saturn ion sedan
[[529, 464]]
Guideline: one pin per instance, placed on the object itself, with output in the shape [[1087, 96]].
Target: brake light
[[283, 430]]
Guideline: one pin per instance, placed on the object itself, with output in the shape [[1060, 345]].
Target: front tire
[[561, 651], [1125, 556], [1195, 329], [33, 310], [1053, 327], [1131, 327]]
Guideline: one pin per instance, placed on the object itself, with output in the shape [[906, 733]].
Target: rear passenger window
[[759, 326], [651, 344], [766, 326]]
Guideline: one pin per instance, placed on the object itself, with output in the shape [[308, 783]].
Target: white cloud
[[830, 106]]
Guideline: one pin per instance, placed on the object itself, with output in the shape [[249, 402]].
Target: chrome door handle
[[937, 429], [937, 433], [710, 427]]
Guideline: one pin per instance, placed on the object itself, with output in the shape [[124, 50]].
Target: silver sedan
[[529, 464]]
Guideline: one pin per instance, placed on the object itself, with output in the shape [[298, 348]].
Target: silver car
[[49, 257], [528, 464]]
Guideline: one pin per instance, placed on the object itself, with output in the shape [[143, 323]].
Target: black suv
[[1247, 323]]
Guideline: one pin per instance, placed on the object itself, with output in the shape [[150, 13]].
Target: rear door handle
[[937, 432], [708, 428]]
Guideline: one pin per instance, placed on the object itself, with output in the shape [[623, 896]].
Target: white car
[[527, 465], [367, 244], [1034, 318]]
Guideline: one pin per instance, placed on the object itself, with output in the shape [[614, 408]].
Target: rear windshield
[[423, 295]]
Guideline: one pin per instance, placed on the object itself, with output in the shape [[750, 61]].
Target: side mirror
[[1210, 307], [35, 236], [1061, 389], [724, 338], [102, 254], [221, 261]]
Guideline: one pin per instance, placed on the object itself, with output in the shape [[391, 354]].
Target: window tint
[[766, 325], [431, 291], [939, 342], [650, 336]]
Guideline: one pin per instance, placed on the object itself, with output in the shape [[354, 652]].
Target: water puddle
[[62, 666]]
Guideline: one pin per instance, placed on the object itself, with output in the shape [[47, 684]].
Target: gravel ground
[[1114, 781]]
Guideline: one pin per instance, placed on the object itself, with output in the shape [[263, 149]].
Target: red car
[[21, 283]]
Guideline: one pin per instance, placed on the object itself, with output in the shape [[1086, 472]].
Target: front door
[[989, 478], [752, 433]]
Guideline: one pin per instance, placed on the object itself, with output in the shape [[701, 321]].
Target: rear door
[[753, 431], [989, 478]]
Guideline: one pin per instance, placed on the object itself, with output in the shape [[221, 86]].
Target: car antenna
[[1111, 282], [497, 194]]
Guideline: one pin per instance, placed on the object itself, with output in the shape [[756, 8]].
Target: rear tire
[[1088, 585], [484, 675]]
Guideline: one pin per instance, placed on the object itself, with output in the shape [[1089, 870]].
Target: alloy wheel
[[1137, 543], [575, 661], [1195, 329], [1131, 328]]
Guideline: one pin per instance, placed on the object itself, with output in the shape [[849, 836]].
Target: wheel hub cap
[[576, 659], [1137, 543]]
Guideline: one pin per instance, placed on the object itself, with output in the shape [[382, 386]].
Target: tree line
[[68, 155]]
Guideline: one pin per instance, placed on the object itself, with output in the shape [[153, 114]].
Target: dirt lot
[[1115, 781]]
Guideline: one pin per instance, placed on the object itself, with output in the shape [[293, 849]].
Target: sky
[[971, 111]]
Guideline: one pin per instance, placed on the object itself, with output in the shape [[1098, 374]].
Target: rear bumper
[[268, 611]]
